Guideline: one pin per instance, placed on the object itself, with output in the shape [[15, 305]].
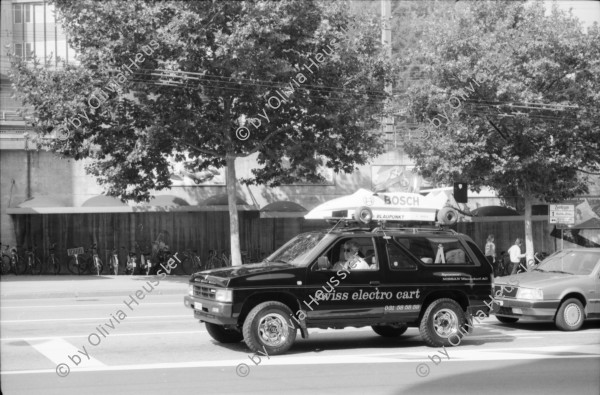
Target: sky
[[588, 11]]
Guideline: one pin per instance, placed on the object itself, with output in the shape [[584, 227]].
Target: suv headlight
[[191, 289], [224, 295], [530, 293]]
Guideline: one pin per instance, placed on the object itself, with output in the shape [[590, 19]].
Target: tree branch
[[204, 151], [587, 172], [262, 143]]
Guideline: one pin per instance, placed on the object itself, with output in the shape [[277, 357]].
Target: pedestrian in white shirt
[[515, 256]]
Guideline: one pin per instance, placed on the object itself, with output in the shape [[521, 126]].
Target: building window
[[17, 13], [19, 50], [29, 51], [27, 12]]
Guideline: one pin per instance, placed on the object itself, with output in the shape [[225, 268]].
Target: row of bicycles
[[88, 261]]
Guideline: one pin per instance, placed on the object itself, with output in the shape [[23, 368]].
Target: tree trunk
[[234, 227], [528, 232]]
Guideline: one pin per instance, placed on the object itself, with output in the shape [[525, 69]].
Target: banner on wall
[[183, 176], [397, 178]]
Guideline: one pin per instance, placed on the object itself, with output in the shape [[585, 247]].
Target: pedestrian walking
[[515, 256], [490, 253]]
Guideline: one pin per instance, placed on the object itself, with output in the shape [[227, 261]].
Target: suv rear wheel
[[222, 334], [268, 328], [441, 323], [390, 330]]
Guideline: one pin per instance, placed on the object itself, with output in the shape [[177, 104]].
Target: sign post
[[562, 214]]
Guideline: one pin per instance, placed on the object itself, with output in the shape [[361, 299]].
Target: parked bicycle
[[252, 256], [191, 262], [113, 262], [132, 263], [53, 263], [146, 265], [216, 260], [538, 257], [17, 262], [6, 259], [81, 262], [33, 265]]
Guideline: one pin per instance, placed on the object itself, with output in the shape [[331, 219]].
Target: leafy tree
[[205, 82], [511, 102]]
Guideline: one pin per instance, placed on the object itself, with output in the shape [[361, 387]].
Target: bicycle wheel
[[20, 264], [187, 265], [36, 268], [5, 265], [54, 264], [74, 266]]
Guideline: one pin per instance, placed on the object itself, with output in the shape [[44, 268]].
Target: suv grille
[[505, 293], [204, 292]]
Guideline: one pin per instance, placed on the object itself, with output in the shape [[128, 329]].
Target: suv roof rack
[[347, 224], [438, 230]]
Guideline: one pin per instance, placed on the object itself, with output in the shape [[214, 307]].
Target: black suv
[[429, 278]]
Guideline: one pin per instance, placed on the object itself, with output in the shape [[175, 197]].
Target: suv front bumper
[[207, 310]]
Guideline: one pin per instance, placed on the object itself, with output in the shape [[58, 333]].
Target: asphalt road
[[154, 346]]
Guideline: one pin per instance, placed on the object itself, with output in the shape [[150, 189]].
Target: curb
[[14, 288]]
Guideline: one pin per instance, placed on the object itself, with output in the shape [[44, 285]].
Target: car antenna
[[334, 226]]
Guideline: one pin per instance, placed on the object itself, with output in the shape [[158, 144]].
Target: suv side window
[[366, 251], [437, 250], [398, 258]]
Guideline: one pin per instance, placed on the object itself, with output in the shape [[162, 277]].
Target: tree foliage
[[512, 100], [243, 54], [205, 82]]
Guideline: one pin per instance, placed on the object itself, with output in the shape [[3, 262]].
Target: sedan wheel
[[570, 315]]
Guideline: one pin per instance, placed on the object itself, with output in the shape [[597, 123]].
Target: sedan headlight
[[224, 295], [530, 293]]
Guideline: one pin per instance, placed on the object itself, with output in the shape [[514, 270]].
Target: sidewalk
[[32, 287]]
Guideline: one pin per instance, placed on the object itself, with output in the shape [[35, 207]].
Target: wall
[[47, 176], [505, 233]]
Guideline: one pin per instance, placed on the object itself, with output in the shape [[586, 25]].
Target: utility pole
[[386, 40]]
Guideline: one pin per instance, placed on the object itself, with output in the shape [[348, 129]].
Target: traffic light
[[460, 192]]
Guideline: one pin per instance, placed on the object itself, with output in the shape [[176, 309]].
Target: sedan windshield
[[297, 249], [571, 262]]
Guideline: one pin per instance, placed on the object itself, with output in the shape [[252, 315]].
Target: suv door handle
[[374, 283]]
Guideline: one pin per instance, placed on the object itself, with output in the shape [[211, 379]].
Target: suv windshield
[[297, 249], [571, 262]]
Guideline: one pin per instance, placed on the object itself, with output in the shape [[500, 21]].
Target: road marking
[[85, 305], [320, 359], [58, 351], [145, 317], [111, 335]]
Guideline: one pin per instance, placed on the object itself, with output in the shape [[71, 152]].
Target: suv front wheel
[[268, 328], [441, 323]]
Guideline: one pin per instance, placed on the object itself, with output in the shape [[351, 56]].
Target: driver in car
[[352, 260]]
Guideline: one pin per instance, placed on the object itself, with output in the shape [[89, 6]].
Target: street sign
[[562, 214], [75, 251]]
